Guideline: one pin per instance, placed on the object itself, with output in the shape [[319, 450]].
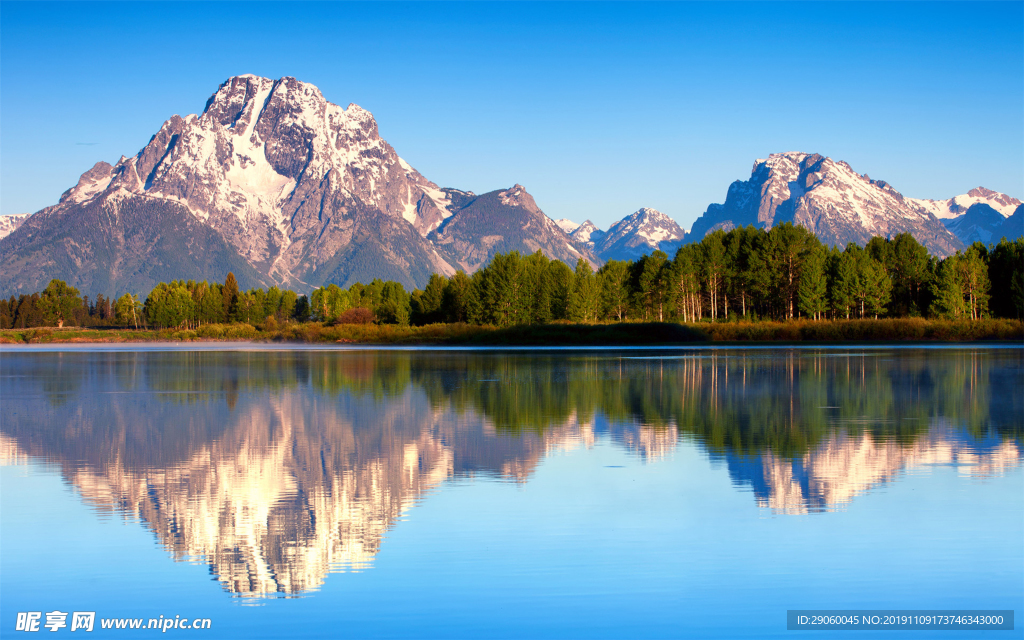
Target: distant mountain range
[[639, 233], [280, 186], [837, 204]]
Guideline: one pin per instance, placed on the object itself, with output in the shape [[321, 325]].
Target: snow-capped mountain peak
[[249, 163], [10, 222], [649, 224], [958, 205], [587, 234], [827, 197], [90, 184], [517, 196], [285, 177], [638, 233], [567, 225]]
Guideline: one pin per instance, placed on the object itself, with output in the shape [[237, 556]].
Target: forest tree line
[[743, 274]]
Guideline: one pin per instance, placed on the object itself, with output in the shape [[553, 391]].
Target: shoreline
[[652, 334]]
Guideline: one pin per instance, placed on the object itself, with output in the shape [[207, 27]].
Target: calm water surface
[[410, 493]]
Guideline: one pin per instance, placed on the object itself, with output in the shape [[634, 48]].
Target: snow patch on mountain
[[827, 197], [587, 234], [958, 205], [10, 222], [641, 232], [567, 225], [90, 184], [517, 196], [256, 155], [981, 223]]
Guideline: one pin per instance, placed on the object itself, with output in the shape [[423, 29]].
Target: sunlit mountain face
[[277, 468]]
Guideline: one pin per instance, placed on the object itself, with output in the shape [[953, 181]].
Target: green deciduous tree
[[427, 310], [394, 307], [454, 300], [714, 270], [613, 280], [948, 297], [844, 284], [974, 283], [585, 297], [538, 284], [788, 245], [58, 302], [813, 288], [128, 310], [560, 278], [909, 270]]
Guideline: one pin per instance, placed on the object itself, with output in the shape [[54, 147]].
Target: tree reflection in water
[[276, 468]]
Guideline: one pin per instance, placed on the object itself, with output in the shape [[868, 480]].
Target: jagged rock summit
[[499, 222], [587, 234], [271, 181], [639, 233], [827, 197], [984, 224], [280, 186]]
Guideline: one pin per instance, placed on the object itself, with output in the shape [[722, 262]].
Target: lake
[[428, 493]]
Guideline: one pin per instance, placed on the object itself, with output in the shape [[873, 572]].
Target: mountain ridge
[[281, 186], [292, 183], [827, 197]]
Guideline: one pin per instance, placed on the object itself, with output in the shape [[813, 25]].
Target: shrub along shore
[[551, 334]]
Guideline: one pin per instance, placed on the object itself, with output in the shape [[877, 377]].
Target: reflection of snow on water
[[845, 466], [274, 482]]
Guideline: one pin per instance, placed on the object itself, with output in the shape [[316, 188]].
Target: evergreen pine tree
[[229, 296]]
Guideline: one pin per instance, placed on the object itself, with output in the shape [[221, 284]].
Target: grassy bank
[[312, 332], [882, 330], [885, 330]]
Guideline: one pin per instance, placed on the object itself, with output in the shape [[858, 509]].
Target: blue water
[[665, 493]]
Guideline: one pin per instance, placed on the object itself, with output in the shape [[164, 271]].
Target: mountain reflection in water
[[276, 468]]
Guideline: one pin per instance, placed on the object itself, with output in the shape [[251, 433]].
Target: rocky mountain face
[[587, 234], [980, 215], [273, 182], [11, 222], [1013, 228], [827, 197], [985, 224], [637, 234], [981, 223], [280, 186], [117, 245], [498, 222], [958, 205]]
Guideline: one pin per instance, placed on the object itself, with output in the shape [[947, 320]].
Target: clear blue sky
[[598, 109]]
